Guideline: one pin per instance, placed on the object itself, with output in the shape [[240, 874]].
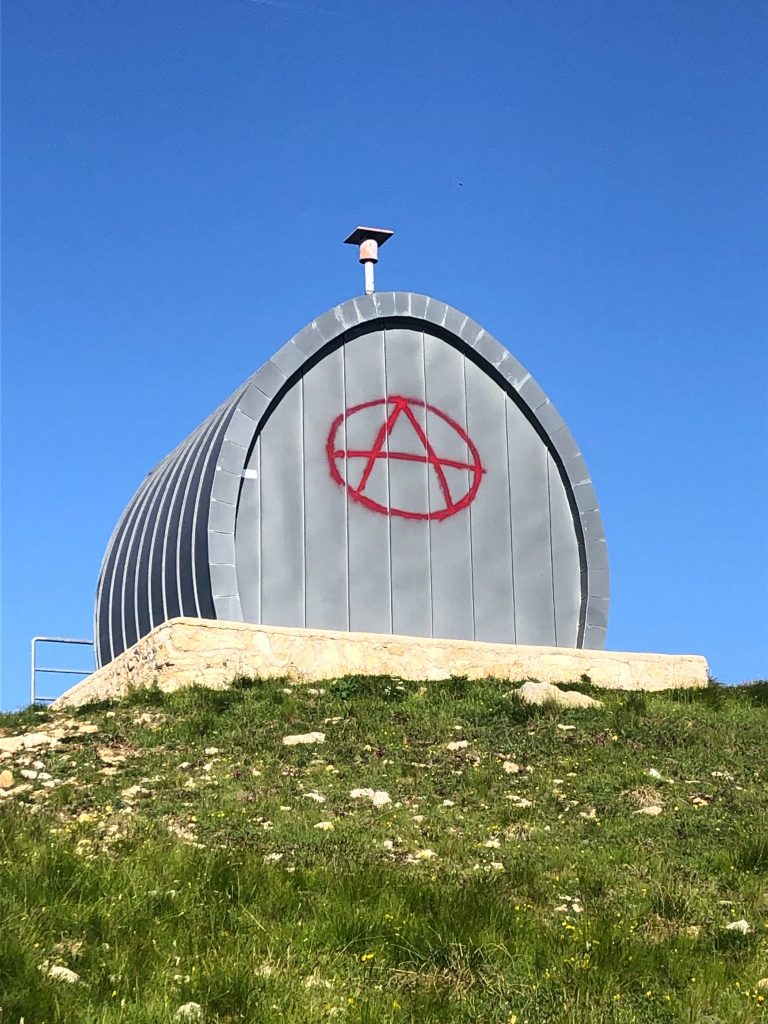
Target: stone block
[[212, 652]]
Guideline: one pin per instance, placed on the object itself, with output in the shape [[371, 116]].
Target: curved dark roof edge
[[253, 400]]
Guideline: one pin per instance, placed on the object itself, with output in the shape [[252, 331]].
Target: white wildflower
[[190, 1011], [58, 973], [741, 926]]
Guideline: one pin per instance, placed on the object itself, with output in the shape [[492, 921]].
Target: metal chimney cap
[[361, 234]]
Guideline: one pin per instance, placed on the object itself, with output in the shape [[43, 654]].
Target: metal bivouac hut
[[391, 469]]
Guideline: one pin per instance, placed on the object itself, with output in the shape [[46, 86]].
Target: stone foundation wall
[[211, 652]]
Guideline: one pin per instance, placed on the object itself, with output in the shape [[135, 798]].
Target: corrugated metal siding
[[156, 564]]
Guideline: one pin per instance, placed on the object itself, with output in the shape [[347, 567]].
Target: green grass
[[209, 883]]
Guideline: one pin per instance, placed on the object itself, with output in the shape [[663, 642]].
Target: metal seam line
[[125, 526], [151, 496], [209, 431], [507, 406], [471, 551], [203, 441], [551, 550], [159, 522], [429, 490], [226, 412], [303, 495], [174, 483], [141, 590], [142, 520], [389, 498], [261, 531], [345, 403]]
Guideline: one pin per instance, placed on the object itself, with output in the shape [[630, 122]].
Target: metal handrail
[[35, 668]]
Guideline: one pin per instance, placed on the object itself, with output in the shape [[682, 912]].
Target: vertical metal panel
[[565, 561], [171, 601], [282, 515], [450, 538], [199, 564], [489, 513], [120, 594], [325, 502], [248, 541], [370, 577], [106, 593], [408, 484], [531, 553], [185, 555], [157, 612], [130, 570], [142, 580]]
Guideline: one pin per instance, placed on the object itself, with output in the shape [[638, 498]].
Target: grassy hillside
[[182, 862]]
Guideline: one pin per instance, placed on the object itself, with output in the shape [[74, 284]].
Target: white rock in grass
[[511, 768], [378, 797], [565, 728], [209, 751], [741, 926], [190, 1011], [6, 779], [540, 693], [762, 985], [306, 737], [653, 810], [457, 745], [29, 740], [58, 973], [519, 801], [656, 774], [324, 826]]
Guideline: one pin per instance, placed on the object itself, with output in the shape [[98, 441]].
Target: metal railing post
[[35, 668]]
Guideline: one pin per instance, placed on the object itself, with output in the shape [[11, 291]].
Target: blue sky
[[586, 179]]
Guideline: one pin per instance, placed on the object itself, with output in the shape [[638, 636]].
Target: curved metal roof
[[173, 551]]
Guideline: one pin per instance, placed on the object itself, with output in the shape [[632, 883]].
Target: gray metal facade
[[391, 469]]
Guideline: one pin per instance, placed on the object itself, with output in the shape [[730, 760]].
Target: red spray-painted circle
[[396, 406]]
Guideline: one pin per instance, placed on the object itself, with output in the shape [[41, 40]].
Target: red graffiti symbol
[[394, 408]]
